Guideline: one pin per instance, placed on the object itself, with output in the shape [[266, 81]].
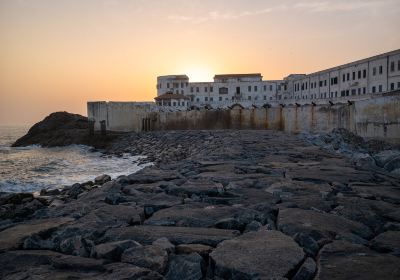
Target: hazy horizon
[[57, 55]]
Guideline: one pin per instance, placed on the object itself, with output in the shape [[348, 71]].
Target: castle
[[350, 81]]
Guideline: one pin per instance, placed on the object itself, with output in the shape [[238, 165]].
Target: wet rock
[[176, 235], [112, 250], [13, 238], [102, 179], [256, 255], [387, 242], [343, 260], [185, 267], [151, 256], [306, 271]]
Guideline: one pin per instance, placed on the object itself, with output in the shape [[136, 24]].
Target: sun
[[199, 74]]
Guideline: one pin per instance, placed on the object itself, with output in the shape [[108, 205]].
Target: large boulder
[[13, 237], [343, 260], [312, 229], [387, 242], [112, 250], [256, 255]]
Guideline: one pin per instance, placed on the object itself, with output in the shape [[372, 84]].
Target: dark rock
[[112, 250], [202, 250], [15, 198], [151, 175], [228, 223], [176, 235], [387, 242], [306, 271], [185, 267], [256, 255], [151, 256], [76, 245], [127, 271], [199, 188], [322, 227], [13, 238], [253, 226], [77, 263], [102, 179], [165, 244], [343, 260]]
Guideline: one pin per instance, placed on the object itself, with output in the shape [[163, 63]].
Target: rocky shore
[[215, 205]]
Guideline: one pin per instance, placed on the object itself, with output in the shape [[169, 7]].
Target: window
[[348, 76], [325, 83], [373, 89], [359, 91], [191, 89], [320, 83], [206, 98], [223, 90], [197, 89], [198, 99], [174, 103], [342, 93], [392, 66], [302, 86], [354, 76], [353, 92], [347, 92], [265, 97], [265, 88], [359, 74], [344, 78], [380, 88], [398, 65], [211, 89], [220, 98], [364, 73], [270, 87], [182, 91], [380, 69], [306, 85], [374, 71], [205, 89], [211, 99], [255, 88], [176, 85], [249, 88], [167, 85], [181, 85], [398, 85], [279, 87], [364, 90], [249, 97], [392, 86]]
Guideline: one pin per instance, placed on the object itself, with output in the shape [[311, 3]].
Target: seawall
[[376, 117]]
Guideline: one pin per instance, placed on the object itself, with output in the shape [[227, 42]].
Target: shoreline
[[208, 194]]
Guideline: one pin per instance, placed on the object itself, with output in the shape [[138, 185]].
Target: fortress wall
[[377, 117], [373, 118]]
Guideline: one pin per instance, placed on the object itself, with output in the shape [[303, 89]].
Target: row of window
[[224, 90], [173, 103], [220, 98]]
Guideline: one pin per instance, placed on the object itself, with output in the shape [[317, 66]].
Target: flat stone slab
[[203, 215], [13, 238], [343, 260], [256, 255], [177, 235], [321, 226]]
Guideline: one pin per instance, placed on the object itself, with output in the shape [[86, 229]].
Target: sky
[[55, 55]]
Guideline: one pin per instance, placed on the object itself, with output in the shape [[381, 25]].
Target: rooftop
[[169, 96], [227, 76]]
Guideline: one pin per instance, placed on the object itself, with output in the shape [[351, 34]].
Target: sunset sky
[[57, 54]]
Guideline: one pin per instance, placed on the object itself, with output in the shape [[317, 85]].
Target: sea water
[[32, 168]]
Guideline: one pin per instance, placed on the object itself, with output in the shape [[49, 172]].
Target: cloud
[[317, 6]]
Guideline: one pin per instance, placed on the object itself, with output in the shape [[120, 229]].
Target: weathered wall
[[119, 116], [377, 117]]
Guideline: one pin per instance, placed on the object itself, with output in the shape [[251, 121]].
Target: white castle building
[[351, 81]]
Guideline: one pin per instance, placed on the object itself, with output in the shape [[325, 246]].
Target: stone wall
[[376, 117]]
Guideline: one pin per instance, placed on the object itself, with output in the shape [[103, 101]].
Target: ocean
[[32, 168]]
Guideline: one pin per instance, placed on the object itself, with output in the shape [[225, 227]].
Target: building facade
[[351, 81]]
